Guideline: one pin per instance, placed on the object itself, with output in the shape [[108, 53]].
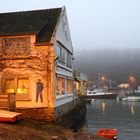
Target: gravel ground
[[35, 130]]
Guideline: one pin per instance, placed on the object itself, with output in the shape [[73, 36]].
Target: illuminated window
[[23, 86], [10, 86], [69, 86], [60, 85]]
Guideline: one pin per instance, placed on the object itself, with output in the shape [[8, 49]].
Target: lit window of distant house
[[69, 86], [60, 85], [23, 86], [10, 86]]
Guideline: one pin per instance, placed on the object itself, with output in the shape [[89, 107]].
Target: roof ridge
[[40, 22], [33, 10]]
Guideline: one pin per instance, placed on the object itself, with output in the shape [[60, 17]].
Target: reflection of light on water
[[103, 107], [132, 110]]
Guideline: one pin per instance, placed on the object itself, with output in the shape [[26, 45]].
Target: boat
[[107, 133], [89, 100], [101, 94], [132, 99], [9, 116]]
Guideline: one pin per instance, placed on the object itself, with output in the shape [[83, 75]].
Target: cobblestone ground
[[35, 130]]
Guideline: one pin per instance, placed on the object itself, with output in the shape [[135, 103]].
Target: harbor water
[[123, 116]]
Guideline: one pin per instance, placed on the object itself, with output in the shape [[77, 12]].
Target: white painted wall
[[62, 34]]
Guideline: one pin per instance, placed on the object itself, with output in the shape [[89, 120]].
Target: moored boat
[[107, 133], [101, 94], [9, 116], [132, 99]]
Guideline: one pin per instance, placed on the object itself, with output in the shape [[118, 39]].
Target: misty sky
[[93, 23], [96, 26]]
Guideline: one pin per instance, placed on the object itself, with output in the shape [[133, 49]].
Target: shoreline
[[28, 129]]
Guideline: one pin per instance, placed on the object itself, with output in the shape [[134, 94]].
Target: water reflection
[[124, 116], [103, 107], [132, 110]]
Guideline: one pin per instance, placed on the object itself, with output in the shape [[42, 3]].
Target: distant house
[[36, 55]]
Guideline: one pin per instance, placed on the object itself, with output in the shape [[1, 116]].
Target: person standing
[[39, 89]]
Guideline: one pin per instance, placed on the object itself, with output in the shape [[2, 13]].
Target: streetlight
[[132, 78], [132, 81], [103, 78]]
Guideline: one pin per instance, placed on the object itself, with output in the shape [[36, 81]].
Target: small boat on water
[[101, 94], [132, 99], [107, 133], [9, 116]]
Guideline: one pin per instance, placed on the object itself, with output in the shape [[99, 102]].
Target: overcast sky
[[93, 23]]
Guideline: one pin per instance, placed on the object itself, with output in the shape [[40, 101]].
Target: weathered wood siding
[[7, 101]]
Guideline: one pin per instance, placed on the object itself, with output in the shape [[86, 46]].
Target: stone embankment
[[75, 118]]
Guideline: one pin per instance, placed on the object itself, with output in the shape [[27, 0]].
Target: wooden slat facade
[[7, 101]]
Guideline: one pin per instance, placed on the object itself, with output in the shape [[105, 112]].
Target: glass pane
[[69, 60], [10, 86], [60, 86], [23, 86], [69, 86], [58, 51], [63, 55]]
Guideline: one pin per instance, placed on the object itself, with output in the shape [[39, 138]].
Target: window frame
[[22, 96], [19, 97], [68, 60], [10, 79], [59, 92], [69, 79], [61, 53]]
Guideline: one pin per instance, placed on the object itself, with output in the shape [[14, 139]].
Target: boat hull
[[8, 116], [131, 99], [105, 96], [107, 133]]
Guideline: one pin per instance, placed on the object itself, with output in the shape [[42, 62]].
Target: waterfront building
[[36, 62], [80, 83]]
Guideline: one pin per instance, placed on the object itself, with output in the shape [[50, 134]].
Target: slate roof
[[39, 22]]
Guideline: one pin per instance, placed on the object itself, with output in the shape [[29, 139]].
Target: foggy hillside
[[117, 64]]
